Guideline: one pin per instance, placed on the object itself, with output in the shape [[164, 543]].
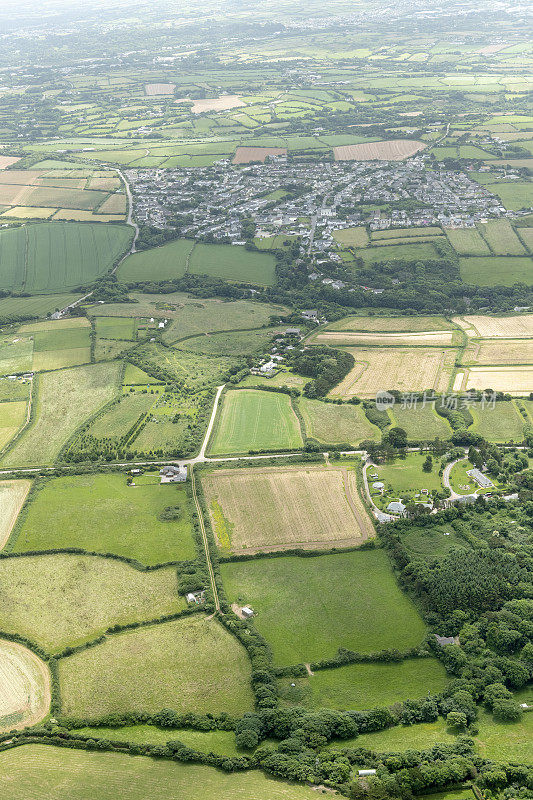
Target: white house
[[172, 474]]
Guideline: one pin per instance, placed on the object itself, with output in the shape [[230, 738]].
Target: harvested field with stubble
[[298, 507], [403, 368], [63, 599], [492, 352], [247, 155], [224, 103], [393, 150], [190, 664], [71, 395], [516, 380], [12, 497], [391, 324], [24, 687], [512, 327], [427, 338]]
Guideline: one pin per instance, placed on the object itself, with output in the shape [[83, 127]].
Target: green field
[[14, 390], [189, 664], [69, 395], [501, 237], [422, 251], [237, 343], [157, 264], [421, 423], [115, 327], [55, 256], [37, 306], [431, 541], [362, 686], [233, 264], [194, 370], [133, 376], [467, 242], [59, 600], [496, 270], [39, 771], [308, 607], [255, 420], [16, 354], [405, 475], [336, 424], [402, 737], [102, 513], [503, 423], [119, 419], [515, 195]]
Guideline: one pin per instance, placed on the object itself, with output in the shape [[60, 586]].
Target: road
[[446, 478], [201, 455], [205, 540]]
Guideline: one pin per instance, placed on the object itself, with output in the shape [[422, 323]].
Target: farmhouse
[[396, 507], [444, 640], [172, 474], [479, 478]]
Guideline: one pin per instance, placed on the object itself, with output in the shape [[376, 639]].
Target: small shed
[[364, 773], [247, 612]]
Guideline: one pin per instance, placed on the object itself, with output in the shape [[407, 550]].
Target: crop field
[[336, 424], [157, 264], [503, 423], [308, 607], [71, 395], [502, 351], [496, 270], [101, 513], [413, 251], [362, 686], [232, 263], [351, 237], [13, 415], [421, 423], [403, 368], [517, 380], [426, 338], [24, 687], [12, 497], [59, 600], [298, 507], [501, 238], [391, 324], [393, 150], [58, 256], [248, 155], [255, 420], [36, 771], [38, 305], [190, 664], [467, 242], [509, 327]]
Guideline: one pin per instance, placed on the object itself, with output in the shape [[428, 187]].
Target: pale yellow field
[[352, 237], [224, 103], [429, 338], [275, 509], [6, 161], [391, 324], [397, 233], [106, 184], [12, 497], [29, 212], [502, 351], [86, 216], [404, 368], [516, 327], [394, 150], [59, 359], [245, 155], [115, 204], [24, 687], [514, 380], [154, 89], [55, 325]]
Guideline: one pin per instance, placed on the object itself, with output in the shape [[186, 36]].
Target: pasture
[[403, 368], [12, 497], [304, 507], [362, 686], [501, 423], [412, 251], [467, 242], [393, 150], [421, 423], [36, 771], [37, 306], [351, 237], [336, 424], [220, 742], [501, 238], [515, 195], [236, 343], [101, 513], [118, 420], [232, 264], [16, 354], [190, 664], [71, 395], [517, 380], [13, 415], [62, 599], [308, 607], [115, 327], [255, 420], [59, 256], [59, 343], [496, 270], [157, 264], [24, 687], [401, 737]]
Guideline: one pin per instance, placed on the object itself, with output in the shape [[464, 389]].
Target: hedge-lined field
[[102, 513], [336, 424], [308, 607], [189, 664]]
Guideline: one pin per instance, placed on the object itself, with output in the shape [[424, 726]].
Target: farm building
[[396, 507], [363, 773], [378, 485], [172, 474], [444, 640], [480, 479], [247, 612]]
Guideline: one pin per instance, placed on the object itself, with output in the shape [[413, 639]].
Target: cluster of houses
[[271, 363]]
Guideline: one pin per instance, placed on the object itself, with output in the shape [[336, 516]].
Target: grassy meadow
[[336, 424], [190, 664], [421, 423], [501, 423], [308, 607], [101, 513]]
